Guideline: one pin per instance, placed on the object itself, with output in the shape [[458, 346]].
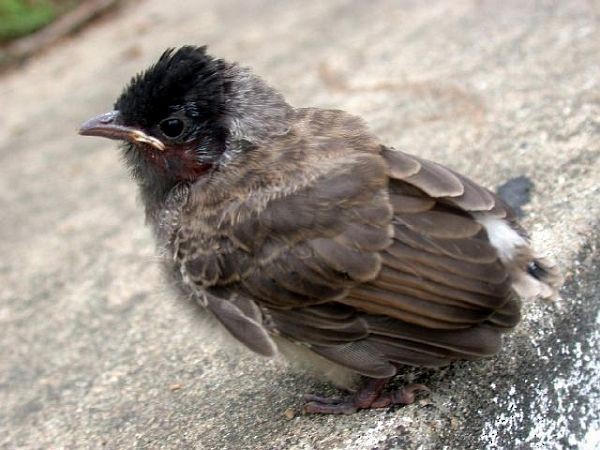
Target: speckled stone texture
[[96, 354]]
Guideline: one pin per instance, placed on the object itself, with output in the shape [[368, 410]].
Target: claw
[[406, 395]]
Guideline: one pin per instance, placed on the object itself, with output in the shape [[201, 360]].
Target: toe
[[324, 408], [324, 400]]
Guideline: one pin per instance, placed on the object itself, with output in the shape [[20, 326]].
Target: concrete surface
[[95, 355]]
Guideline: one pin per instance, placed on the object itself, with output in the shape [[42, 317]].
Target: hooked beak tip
[[100, 125]]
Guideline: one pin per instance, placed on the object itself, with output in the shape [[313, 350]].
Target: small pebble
[[454, 423]]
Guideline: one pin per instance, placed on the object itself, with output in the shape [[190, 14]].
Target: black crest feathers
[[186, 78]]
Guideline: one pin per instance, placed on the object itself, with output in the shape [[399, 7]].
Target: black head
[[185, 81], [172, 116]]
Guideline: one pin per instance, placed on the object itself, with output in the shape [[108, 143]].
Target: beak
[[109, 125]]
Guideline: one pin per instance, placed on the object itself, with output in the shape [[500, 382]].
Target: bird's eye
[[171, 128]]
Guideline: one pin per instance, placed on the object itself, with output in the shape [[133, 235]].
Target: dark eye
[[171, 128]]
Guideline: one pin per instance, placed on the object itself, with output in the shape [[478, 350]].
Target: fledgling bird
[[299, 225]]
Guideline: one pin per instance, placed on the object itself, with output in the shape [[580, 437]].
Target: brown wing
[[379, 264], [440, 272]]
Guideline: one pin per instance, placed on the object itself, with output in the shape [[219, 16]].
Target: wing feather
[[376, 263]]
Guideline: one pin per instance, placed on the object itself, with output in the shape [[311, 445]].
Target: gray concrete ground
[[96, 355]]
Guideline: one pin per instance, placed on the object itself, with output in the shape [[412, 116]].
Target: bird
[[300, 232]]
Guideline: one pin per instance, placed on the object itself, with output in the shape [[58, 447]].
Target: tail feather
[[541, 278], [532, 275]]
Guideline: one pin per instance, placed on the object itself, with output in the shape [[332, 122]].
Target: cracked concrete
[[95, 354]]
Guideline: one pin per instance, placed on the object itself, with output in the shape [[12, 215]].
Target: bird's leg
[[369, 395]]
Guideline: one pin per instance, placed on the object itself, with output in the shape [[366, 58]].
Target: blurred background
[[20, 18], [96, 354]]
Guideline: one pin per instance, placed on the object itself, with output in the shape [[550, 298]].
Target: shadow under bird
[[298, 225]]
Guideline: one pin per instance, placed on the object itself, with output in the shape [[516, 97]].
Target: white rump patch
[[502, 236]]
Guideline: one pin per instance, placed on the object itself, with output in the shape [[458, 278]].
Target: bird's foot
[[369, 395]]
